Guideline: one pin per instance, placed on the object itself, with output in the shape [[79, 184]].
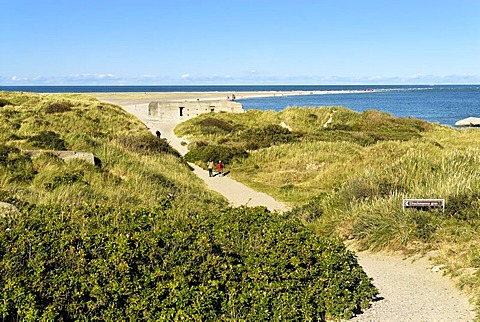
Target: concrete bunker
[[175, 110]]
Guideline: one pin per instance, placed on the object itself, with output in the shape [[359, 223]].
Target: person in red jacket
[[220, 168]]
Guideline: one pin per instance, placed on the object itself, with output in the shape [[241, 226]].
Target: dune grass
[[137, 236], [136, 168], [346, 173]]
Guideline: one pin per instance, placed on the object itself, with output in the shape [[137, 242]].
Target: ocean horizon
[[443, 104]]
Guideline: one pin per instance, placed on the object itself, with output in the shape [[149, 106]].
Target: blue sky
[[187, 42]]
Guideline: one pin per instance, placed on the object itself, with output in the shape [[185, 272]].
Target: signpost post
[[423, 203]]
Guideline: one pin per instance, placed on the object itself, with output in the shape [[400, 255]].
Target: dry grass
[[137, 169], [349, 185]]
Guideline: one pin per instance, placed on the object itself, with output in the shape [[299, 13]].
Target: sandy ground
[[139, 98], [409, 290]]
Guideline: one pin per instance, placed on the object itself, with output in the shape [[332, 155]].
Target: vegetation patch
[[95, 263], [211, 125], [146, 144], [16, 165], [48, 140], [136, 167], [262, 137], [58, 107], [464, 206], [65, 179], [202, 153], [4, 102], [349, 178]]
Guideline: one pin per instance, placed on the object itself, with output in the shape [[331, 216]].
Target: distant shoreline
[[209, 88], [426, 102], [125, 98]]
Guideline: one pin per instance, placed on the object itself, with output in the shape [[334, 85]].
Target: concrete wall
[[65, 155], [186, 110]]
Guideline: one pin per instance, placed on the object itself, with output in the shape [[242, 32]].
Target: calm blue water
[[438, 104], [444, 104]]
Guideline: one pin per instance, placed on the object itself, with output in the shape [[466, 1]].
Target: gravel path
[[409, 291]]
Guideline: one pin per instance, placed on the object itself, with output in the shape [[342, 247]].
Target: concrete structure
[[174, 110], [469, 121], [65, 155]]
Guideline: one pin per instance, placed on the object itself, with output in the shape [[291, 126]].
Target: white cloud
[[247, 78]]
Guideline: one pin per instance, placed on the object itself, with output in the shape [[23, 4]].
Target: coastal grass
[[346, 174], [135, 167], [137, 236]]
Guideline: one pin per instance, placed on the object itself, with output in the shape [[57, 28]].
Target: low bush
[[20, 168], [464, 206], [4, 102], [310, 211], [5, 151], [211, 125], [16, 165], [146, 144], [342, 134], [58, 108], [203, 153], [68, 178], [107, 264], [48, 140], [272, 134]]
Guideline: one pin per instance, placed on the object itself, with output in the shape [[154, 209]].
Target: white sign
[[423, 203]]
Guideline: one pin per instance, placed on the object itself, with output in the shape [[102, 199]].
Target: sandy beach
[[131, 98]]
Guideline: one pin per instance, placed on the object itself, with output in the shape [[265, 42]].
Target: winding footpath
[[409, 290]]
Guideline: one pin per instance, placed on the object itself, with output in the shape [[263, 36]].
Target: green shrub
[[17, 166], [20, 168], [372, 126], [5, 151], [146, 144], [4, 102], [312, 118], [58, 108], [272, 134], [68, 178], [464, 206], [203, 153], [342, 134], [48, 140], [211, 125], [241, 264], [8, 197], [309, 211]]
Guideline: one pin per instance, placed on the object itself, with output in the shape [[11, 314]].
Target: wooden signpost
[[424, 203]]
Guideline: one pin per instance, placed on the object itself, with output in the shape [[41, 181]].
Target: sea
[[442, 104]]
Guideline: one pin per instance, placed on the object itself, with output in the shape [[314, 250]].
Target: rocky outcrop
[[7, 209], [469, 121]]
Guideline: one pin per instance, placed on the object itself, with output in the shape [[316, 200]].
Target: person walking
[[210, 168], [220, 167]]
